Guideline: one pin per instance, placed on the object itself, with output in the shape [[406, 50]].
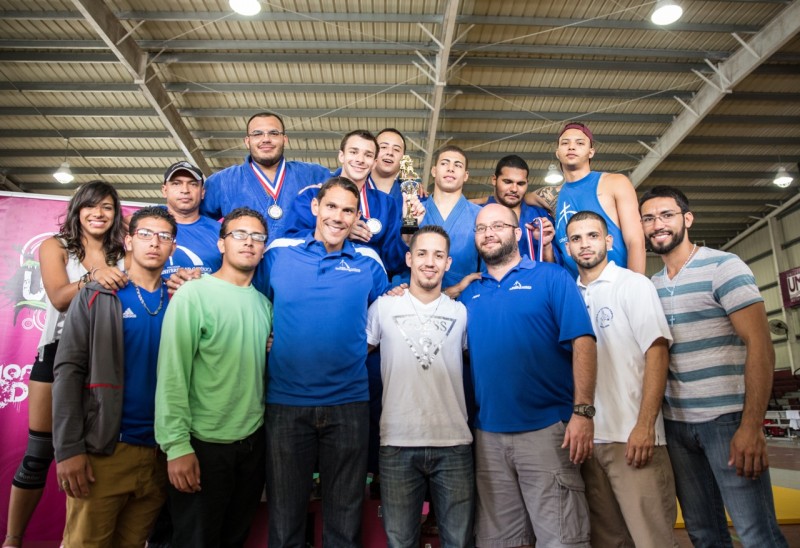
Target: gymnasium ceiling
[[710, 104]]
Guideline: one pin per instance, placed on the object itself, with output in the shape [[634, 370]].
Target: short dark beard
[[427, 285], [677, 240], [268, 163], [499, 255], [597, 259], [502, 201]]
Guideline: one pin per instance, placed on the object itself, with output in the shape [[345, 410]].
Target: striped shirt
[[706, 370]]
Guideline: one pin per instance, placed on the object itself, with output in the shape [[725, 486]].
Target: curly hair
[[89, 195]]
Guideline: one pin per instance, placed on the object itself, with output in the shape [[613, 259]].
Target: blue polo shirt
[[320, 301], [238, 186], [520, 331], [196, 247]]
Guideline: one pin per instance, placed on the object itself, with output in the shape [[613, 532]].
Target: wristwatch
[[584, 410], [84, 280]]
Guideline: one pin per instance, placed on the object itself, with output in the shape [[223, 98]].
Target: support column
[[780, 264]]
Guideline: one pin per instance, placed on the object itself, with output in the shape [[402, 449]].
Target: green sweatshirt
[[211, 365]]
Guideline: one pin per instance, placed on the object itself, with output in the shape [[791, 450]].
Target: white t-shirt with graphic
[[421, 349]]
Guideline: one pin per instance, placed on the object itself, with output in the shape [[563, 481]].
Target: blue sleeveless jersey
[[582, 196]]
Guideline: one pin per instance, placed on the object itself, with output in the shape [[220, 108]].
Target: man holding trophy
[[447, 207]]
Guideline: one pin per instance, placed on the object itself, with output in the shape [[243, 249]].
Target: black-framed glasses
[[496, 227], [664, 216], [272, 134], [242, 235], [146, 234]]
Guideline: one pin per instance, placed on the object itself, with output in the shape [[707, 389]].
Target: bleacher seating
[[785, 398]]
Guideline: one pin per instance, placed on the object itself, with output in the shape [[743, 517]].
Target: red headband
[[580, 127]]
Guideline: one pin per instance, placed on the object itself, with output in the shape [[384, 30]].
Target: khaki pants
[[129, 490], [630, 506]]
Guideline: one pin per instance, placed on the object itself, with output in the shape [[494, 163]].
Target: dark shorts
[[42, 370]]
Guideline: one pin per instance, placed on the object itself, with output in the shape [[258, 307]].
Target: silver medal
[[374, 225], [275, 211]]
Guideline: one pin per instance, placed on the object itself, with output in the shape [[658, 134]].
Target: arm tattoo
[[549, 194]]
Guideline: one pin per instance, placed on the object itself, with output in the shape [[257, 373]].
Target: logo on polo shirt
[[604, 317], [518, 285], [346, 267], [128, 314]]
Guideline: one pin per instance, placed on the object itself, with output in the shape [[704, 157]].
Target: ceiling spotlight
[[245, 7], [64, 174], [782, 178], [666, 12], [553, 176]]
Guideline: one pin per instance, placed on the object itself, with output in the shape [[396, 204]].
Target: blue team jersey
[[578, 196], [520, 331], [196, 247], [320, 303], [388, 243], [141, 334], [395, 193], [238, 186]]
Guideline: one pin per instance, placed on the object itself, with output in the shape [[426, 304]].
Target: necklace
[[160, 300], [671, 290], [430, 317], [429, 351]]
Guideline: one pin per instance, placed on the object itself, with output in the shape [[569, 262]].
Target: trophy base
[[409, 229]]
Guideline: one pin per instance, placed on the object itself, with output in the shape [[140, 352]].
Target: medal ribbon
[[273, 191], [529, 232], [370, 182], [364, 205]]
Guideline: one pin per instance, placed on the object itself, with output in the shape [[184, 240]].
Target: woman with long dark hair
[[88, 247]]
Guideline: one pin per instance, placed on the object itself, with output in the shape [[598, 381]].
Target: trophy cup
[[409, 186]]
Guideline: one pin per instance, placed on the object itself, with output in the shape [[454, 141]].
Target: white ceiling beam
[[732, 71], [135, 61], [442, 60]]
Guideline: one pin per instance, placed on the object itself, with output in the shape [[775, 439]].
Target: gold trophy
[[409, 186]]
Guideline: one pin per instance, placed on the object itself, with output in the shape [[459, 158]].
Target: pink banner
[[25, 222]]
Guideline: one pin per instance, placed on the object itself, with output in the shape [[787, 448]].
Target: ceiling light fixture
[[64, 174], [666, 12], [782, 178], [553, 176], [245, 7]]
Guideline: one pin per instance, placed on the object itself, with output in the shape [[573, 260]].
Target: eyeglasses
[[272, 134], [146, 234], [242, 235], [496, 227], [665, 217]]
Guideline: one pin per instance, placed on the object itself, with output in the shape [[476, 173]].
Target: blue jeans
[[706, 486], [405, 473], [296, 438]]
